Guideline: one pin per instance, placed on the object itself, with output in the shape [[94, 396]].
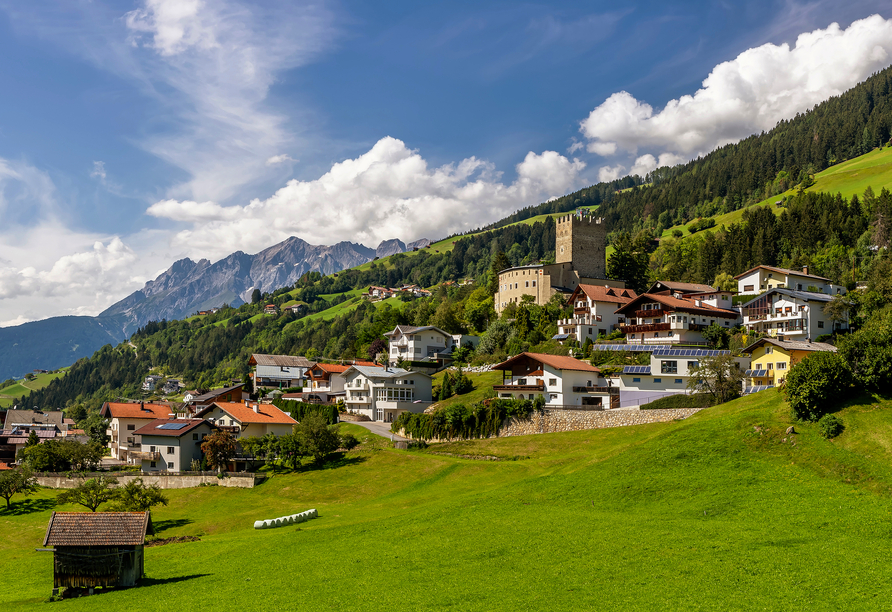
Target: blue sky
[[135, 133]]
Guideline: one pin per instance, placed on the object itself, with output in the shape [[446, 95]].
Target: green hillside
[[721, 511], [24, 387]]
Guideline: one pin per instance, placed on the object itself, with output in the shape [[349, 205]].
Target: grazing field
[[722, 511], [25, 387]]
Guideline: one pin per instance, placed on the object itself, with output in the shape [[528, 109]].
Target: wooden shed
[[97, 549]]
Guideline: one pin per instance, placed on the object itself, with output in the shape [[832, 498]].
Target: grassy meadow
[[722, 511], [25, 387]]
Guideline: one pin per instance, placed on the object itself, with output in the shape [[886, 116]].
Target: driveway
[[378, 428]]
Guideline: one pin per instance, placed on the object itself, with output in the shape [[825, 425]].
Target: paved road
[[381, 429]]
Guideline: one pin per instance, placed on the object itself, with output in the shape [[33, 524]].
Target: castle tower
[[581, 241]]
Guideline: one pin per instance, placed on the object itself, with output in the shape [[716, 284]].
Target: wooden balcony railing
[[634, 329]]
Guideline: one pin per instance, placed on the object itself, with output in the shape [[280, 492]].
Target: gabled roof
[[559, 362], [142, 410], [791, 345], [288, 361], [379, 372], [98, 529], [210, 395], [33, 417], [681, 287], [602, 293], [331, 368], [409, 329], [807, 296], [674, 303], [784, 271], [266, 413], [173, 428]]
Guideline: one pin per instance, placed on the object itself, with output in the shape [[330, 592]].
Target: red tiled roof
[[267, 413], [600, 293], [332, 368], [674, 303], [151, 429], [559, 362], [97, 529], [122, 410]]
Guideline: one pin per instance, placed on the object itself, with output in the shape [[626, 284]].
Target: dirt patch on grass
[[176, 540]]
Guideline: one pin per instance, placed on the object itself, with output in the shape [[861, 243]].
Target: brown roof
[[559, 362], [35, 417], [791, 345], [97, 529], [291, 361], [782, 271], [674, 303], [122, 410], [152, 429], [331, 368], [267, 413], [683, 287], [600, 293], [210, 395]]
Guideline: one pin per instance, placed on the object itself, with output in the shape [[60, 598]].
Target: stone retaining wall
[[344, 416], [165, 481], [553, 421]]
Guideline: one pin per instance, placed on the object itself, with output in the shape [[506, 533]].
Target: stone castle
[[580, 258]]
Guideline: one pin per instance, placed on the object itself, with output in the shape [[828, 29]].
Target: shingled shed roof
[[98, 529]]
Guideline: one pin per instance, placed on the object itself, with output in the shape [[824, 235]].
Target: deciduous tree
[[17, 481], [219, 448], [136, 496], [91, 493], [720, 376]]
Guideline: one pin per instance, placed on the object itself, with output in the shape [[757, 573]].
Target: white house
[[248, 419], [382, 394], [562, 381], [171, 444], [795, 315], [668, 373], [419, 343], [124, 419], [594, 312], [279, 371], [762, 278], [676, 318], [151, 382]]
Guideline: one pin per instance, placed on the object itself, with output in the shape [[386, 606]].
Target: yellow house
[[772, 358]]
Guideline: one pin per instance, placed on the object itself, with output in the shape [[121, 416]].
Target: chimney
[[247, 402], [805, 269], [256, 408]]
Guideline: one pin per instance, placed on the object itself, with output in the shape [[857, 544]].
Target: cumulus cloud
[[388, 192], [743, 96], [280, 159], [611, 173]]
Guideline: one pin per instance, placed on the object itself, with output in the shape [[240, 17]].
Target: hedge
[[299, 410], [681, 400], [479, 420]]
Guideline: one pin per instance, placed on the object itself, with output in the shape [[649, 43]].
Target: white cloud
[[743, 96], [388, 192], [279, 159], [647, 163], [174, 25], [610, 173], [98, 171]]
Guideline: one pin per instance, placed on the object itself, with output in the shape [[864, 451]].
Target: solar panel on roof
[[171, 426]]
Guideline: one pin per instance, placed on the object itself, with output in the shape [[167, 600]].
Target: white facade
[[662, 319], [796, 315], [279, 376], [763, 278], [561, 382], [382, 394], [161, 453], [418, 343]]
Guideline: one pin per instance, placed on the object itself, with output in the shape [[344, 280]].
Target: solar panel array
[[756, 389], [756, 373], [634, 348], [171, 425], [638, 369], [668, 352]]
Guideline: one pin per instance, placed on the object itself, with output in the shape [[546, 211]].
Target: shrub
[[300, 410], [816, 385], [830, 426], [348, 441], [478, 420], [869, 352]]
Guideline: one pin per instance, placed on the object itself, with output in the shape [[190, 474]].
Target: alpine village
[[677, 385]]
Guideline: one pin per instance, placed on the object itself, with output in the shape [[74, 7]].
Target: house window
[[522, 381], [821, 324], [169, 450], [770, 366], [552, 381], [131, 427], [781, 365], [668, 367], [152, 464], [748, 288], [658, 380], [677, 381], [527, 284], [553, 396], [195, 436], [634, 380], [589, 331], [534, 283], [693, 365], [151, 449], [169, 466]]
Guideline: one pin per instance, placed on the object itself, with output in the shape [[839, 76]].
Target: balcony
[[650, 314], [634, 329], [145, 455], [233, 429], [608, 390], [539, 386]]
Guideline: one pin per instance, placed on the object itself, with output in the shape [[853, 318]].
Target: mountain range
[[184, 288]]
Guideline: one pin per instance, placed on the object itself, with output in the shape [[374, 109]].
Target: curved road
[[378, 428]]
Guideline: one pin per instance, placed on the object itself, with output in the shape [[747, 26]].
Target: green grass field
[[25, 387], [722, 511], [483, 382]]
